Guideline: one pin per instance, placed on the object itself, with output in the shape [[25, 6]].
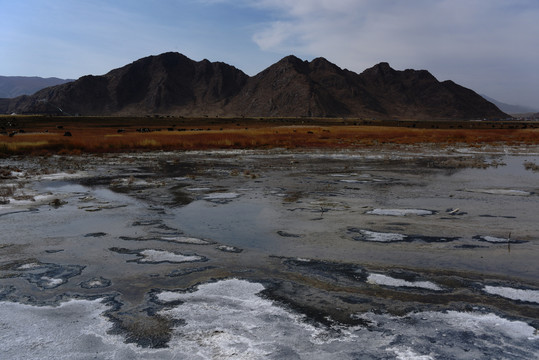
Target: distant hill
[[13, 86], [173, 84], [511, 109]]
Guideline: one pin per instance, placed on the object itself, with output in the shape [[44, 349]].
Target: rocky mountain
[[13, 86], [171, 83]]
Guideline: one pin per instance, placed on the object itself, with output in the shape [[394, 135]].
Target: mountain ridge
[[511, 108], [173, 84], [13, 86]]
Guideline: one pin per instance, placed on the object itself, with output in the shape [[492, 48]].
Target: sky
[[490, 46]]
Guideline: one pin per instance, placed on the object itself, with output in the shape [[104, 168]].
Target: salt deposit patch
[[228, 248], [343, 175], [222, 196], [74, 329], [94, 283], [496, 240], [510, 192], [481, 322], [50, 283], [405, 353], [157, 256], [380, 279], [493, 239], [28, 200], [381, 236], [62, 175], [229, 319], [456, 335], [513, 294], [29, 266], [400, 212], [231, 288], [185, 240]]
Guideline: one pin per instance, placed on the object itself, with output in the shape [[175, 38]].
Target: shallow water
[[272, 254]]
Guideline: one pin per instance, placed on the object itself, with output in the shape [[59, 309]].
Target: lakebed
[[386, 252]]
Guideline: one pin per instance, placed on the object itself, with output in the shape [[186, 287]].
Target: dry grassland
[[43, 138]]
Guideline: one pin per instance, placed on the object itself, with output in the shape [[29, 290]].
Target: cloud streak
[[481, 43]]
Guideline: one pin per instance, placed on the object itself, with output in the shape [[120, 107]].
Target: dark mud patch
[[96, 234], [229, 249], [493, 216], [147, 223], [103, 181], [179, 197], [174, 168], [43, 275], [348, 288], [470, 246], [138, 238], [404, 275], [20, 212], [287, 234], [303, 300], [165, 227], [144, 330], [5, 291], [183, 272], [457, 163], [328, 271]]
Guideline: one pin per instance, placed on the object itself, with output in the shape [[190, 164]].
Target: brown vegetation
[[97, 136]]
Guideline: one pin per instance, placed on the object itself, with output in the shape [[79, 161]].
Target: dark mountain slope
[[171, 83], [293, 87], [417, 94], [167, 83]]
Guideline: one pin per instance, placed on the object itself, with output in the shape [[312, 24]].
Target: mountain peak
[[171, 83], [292, 59], [323, 63], [380, 69]]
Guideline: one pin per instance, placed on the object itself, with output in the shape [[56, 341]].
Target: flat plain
[[268, 238]]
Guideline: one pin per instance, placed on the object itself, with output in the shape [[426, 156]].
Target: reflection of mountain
[[12, 86], [171, 83]]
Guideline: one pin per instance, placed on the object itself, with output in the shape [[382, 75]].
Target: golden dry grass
[[93, 138]]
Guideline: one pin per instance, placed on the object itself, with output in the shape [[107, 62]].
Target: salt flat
[[269, 254]]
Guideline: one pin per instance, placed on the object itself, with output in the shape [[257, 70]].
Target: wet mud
[[339, 239]]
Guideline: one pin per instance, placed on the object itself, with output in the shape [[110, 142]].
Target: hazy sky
[[490, 46]]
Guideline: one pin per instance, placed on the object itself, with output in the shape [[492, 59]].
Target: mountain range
[[511, 108], [173, 84], [13, 86]]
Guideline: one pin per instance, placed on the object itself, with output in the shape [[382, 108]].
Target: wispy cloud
[[489, 45], [460, 39]]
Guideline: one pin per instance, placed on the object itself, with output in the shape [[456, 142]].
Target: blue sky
[[490, 46]]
